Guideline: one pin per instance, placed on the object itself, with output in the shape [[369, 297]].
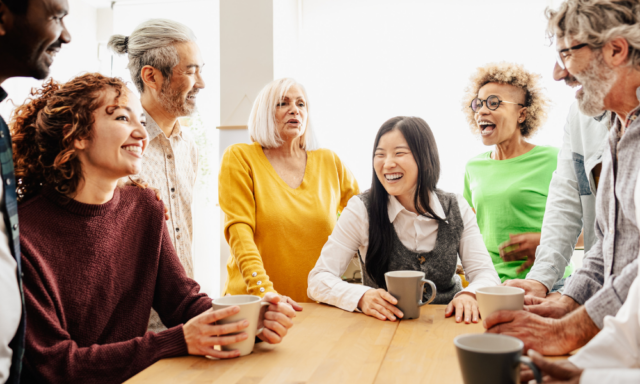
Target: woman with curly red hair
[[97, 257]]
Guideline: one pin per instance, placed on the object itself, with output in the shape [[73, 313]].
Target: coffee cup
[[406, 287], [492, 299], [487, 358], [252, 308]]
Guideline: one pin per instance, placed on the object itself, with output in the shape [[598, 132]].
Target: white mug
[[252, 308], [492, 299]]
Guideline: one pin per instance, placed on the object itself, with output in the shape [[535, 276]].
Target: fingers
[[224, 329], [499, 317], [467, 313], [475, 313], [526, 264], [533, 300], [224, 340], [459, 310], [552, 369], [213, 353], [449, 311], [387, 296], [270, 336], [211, 316], [279, 317]]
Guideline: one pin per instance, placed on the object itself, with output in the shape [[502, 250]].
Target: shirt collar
[[394, 207], [3, 94], [153, 129]]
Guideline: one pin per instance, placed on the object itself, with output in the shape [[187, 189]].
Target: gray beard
[[171, 102], [597, 81]]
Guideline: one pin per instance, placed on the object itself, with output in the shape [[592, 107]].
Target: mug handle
[[264, 305], [536, 372], [433, 292]]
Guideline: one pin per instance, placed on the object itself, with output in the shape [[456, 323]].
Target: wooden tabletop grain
[[329, 345]]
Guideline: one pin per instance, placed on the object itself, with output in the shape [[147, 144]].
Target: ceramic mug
[[487, 358], [492, 299], [252, 308], [406, 287]]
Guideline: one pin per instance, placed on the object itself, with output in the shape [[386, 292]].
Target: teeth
[[485, 123], [134, 149], [393, 176]]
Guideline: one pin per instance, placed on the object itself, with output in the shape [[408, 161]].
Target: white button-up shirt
[[170, 164], [417, 233]]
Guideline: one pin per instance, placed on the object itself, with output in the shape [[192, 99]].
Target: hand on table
[[278, 318], [554, 307], [380, 304], [536, 332], [464, 304], [553, 372], [520, 247], [202, 334], [531, 287]]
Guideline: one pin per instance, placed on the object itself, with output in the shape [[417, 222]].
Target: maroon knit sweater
[[91, 275]]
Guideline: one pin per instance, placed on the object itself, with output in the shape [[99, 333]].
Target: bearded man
[[598, 43], [165, 65]]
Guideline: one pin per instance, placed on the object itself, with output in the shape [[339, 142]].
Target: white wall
[[365, 61]]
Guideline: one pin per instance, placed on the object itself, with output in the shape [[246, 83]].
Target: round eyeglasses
[[493, 102]]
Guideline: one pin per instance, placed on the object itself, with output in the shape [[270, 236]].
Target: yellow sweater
[[276, 232]]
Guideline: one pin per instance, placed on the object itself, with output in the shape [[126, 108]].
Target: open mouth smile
[[486, 127], [393, 177], [135, 150]]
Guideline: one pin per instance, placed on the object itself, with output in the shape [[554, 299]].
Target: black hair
[[423, 147], [18, 7]]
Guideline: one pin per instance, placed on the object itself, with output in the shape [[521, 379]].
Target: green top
[[509, 197]]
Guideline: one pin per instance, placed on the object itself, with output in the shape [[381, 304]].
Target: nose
[[389, 162], [140, 132], [199, 81], [559, 73], [65, 36], [295, 110]]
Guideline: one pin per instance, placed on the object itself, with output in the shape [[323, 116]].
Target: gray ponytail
[[152, 43]]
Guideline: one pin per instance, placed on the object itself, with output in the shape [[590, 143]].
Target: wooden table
[[329, 345]]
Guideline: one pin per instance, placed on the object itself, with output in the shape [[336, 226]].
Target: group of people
[[96, 271]]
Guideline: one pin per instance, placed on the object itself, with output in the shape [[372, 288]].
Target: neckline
[[274, 174], [517, 158], [82, 209]]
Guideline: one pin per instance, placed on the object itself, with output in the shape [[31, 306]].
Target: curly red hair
[[45, 128]]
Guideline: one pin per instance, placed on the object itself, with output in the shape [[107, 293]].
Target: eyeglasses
[[563, 53], [493, 102]]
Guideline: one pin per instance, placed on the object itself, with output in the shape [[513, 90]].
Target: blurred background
[[361, 61]]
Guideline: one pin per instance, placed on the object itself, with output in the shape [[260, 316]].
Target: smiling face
[[504, 123], [587, 70], [396, 167], [33, 39], [178, 96], [291, 114], [118, 139]]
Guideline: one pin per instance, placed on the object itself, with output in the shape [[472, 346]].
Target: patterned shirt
[[170, 165]]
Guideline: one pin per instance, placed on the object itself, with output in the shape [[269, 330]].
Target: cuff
[[350, 303], [545, 275], [604, 303], [171, 343]]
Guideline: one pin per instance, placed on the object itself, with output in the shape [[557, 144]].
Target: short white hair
[[152, 43], [262, 120]]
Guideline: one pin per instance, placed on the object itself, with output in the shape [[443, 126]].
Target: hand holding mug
[[202, 334], [278, 318], [560, 371], [380, 304], [464, 304]]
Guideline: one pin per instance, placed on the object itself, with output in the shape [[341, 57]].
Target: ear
[[6, 19], [522, 115], [616, 52], [81, 144], [151, 77]]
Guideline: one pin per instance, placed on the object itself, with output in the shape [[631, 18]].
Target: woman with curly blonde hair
[[508, 186], [97, 256]]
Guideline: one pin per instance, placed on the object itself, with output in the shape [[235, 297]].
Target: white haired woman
[[281, 196]]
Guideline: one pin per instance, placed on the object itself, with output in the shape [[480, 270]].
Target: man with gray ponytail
[[165, 65]]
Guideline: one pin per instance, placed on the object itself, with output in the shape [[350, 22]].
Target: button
[[259, 282], [15, 226], [8, 181], [261, 289], [177, 229], [178, 237], [254, 274], [173, 189], [169, 156], [173, 196]]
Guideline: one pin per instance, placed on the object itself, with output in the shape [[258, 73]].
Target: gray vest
[[439, 265]]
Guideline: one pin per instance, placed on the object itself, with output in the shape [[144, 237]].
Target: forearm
[[576, 329], [248, 259]]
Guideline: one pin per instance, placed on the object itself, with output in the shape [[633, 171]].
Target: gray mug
[[406, 287], [486, 358]]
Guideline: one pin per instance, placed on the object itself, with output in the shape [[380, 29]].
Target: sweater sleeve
[[348, 184], [238, 202], [54, 357]]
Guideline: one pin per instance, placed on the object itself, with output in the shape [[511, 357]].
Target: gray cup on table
[[492, 359], [406, 287]]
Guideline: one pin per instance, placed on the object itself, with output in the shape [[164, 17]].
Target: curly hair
[[45, 128], [536, 101]]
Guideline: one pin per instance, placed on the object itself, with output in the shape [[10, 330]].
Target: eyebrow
[[399, 146], [189, 66]]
